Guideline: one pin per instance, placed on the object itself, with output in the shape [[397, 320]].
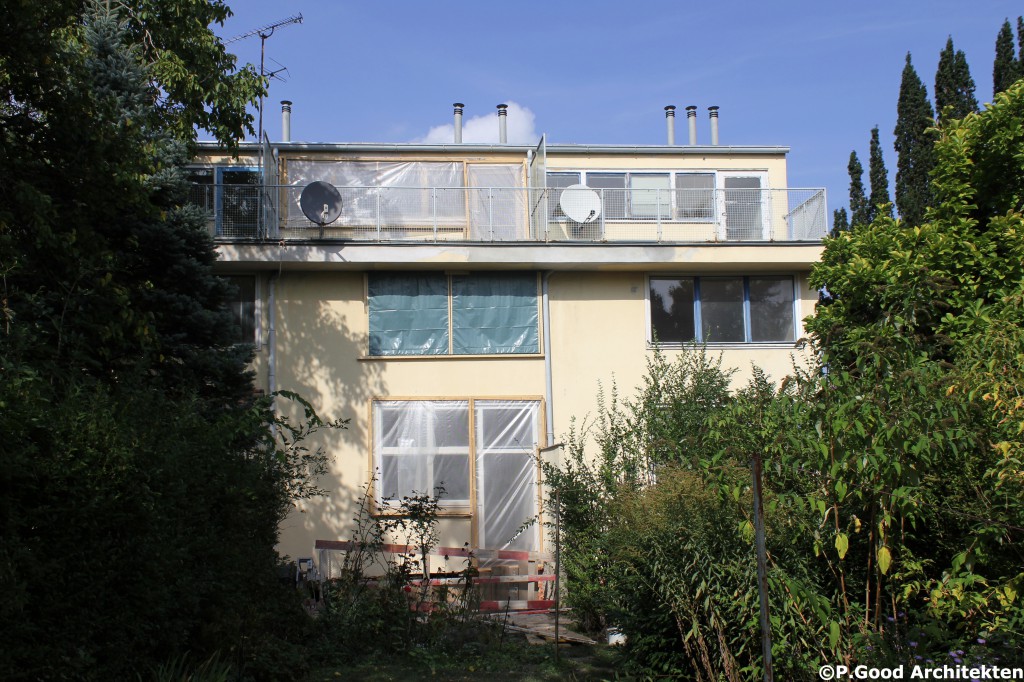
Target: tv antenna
[[265, 32]]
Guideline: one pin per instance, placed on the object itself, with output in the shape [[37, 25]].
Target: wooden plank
[[507, 554]]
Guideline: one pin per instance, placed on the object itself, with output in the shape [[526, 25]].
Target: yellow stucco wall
[[599, 334]]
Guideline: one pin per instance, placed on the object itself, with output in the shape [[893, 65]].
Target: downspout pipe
[[272, 338], [548, 388]]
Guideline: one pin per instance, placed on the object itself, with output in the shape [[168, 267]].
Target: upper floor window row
[[645, 195], [427, 313], [753, 309]]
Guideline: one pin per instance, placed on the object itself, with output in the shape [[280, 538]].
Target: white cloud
[[483, 129]]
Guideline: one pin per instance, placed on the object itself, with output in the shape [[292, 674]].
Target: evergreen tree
[[860, 211], [1006, 68], [840, 222], [879, 179], [142, 489], [914, 156], [954, 87]]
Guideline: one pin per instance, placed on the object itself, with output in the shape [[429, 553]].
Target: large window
[[753, 309], [439, 314], [230, 195], [420, 446]]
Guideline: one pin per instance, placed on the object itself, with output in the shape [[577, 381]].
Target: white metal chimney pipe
[[670, 123], [286, 121], [713, 115], [691, 122], [503, 123], [458, 122]]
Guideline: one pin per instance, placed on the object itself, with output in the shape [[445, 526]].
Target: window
[[695, 196], [556, 183], [242, 305], [420, 445], [635, 195], [754, 309], [438, 314]]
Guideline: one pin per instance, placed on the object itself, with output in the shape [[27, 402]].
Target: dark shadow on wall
[[318, 358]]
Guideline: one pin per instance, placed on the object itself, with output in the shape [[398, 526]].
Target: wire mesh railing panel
[[502, 214]]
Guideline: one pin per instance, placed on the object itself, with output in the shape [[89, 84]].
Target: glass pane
[[612, 188], [721, 309], [695, 196], [672, 310], [771, 309], [743, 208], [556, 183], [451, 425], [650, 196], [242, 305], [507, 428], [451, 472]]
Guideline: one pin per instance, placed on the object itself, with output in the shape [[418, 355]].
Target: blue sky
[[813, 76]]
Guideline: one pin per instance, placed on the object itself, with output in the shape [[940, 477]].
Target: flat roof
[[612, 149]]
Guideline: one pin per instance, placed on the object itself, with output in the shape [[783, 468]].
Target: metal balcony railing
[[518, 214]]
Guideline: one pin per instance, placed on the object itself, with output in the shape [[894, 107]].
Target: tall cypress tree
[[1006, 68], [954, 87], [860, 213], [840, 222], [879, 180], [914, 155]]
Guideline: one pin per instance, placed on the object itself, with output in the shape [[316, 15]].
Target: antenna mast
[[265, 32]]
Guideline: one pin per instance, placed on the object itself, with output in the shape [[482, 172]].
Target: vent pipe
[[286, 121], [503, 123], [691, 122], [670, 123], [713, 115], [458, 122]]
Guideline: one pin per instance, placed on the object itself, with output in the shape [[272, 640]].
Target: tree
[[914, 158], [954, 87], [860, 210], [840, 221], [1006, 68], [143, 485], [879, 202]]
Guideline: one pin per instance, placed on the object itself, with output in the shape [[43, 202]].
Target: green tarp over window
[[408, 314], [494, 314]]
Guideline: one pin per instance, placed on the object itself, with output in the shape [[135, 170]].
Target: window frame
[[698, 322], [459, 508]]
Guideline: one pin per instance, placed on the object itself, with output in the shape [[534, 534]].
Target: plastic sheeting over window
[[422, 444], [397, 194], [491, 313], [507, 433], [408, 314], [494, 314]]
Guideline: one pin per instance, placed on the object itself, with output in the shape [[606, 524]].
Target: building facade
[[468, 301]]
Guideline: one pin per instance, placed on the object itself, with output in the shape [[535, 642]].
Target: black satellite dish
[[320, 202]]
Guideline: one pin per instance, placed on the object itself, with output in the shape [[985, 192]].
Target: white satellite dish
[[580, 204]]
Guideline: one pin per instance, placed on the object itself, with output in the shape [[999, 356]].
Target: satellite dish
[[580, 204], [320, 202]]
